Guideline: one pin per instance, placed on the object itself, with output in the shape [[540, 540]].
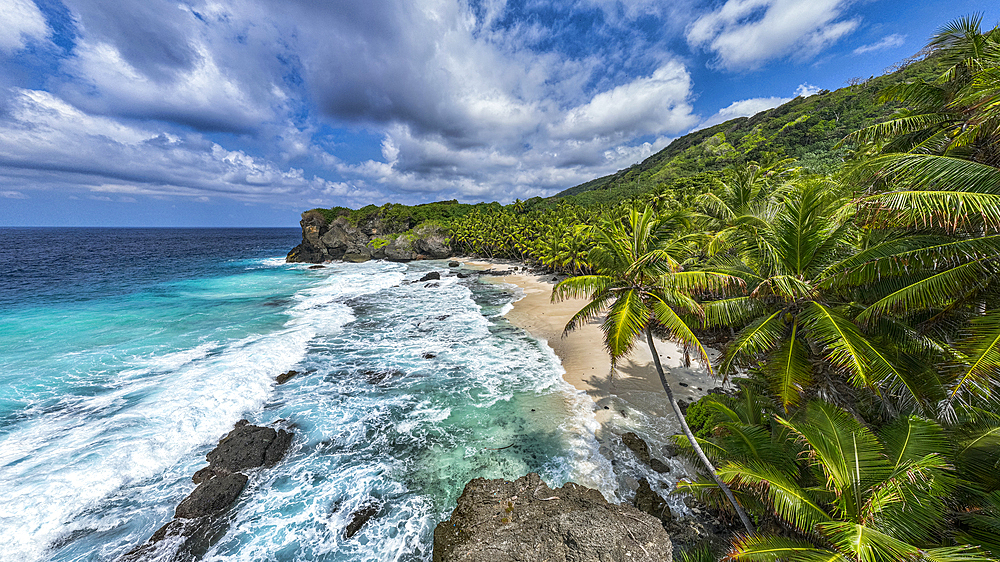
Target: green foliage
[[702, 417]]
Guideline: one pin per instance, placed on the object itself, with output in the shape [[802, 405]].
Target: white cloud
[[10, 194], [746, 33], [887, 42], [20, 21], [753, 106], [47, 138], [647, 105]]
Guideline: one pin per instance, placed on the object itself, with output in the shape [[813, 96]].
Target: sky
[[236, 113]]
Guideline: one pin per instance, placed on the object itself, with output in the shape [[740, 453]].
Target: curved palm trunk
[[694, 442]]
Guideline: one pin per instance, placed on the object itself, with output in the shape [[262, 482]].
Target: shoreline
[[633, 387]]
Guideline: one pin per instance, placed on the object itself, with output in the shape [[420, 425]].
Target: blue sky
[[247, 112]]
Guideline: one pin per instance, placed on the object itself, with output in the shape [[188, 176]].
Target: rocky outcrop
[[199, 519], [340, 240], [641, 450], [526, 521]]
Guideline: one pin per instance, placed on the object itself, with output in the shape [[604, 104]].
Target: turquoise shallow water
[[126, 354]]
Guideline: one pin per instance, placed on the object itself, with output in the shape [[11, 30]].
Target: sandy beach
[[633, 386]]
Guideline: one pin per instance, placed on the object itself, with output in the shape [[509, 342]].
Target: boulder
[[454, 264], [434, 275], [360, 517], [199, 519], [285, 377], [249, 446], [526, 521], [648, 501], [212, 496], [641, 450]]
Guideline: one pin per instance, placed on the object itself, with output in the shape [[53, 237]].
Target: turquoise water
[[126, 354]]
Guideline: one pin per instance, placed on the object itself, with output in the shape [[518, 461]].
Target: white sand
[[634, 384]]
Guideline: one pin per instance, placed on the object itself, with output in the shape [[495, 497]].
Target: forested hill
[[807, 129]]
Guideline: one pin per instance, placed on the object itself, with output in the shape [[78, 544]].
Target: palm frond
[[761, 336], [735, 312], [581, 286], [625, 323], [848, 453], [788, 501], [934, 290], [773, 548], [790, 369], [667, 318], [979, 375]]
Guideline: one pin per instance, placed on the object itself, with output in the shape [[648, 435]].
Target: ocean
[[126, 354]]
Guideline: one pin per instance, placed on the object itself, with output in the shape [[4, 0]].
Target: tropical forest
[[842, 252]]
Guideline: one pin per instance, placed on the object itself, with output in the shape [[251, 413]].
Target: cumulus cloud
[[45, 137], [744, 34], [20, 22], [647, 105], [887, 42], [753, 106]]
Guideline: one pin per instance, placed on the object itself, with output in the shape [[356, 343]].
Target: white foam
[[58, 465]]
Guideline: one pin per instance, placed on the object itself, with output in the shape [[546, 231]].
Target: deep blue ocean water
[[125, 354]]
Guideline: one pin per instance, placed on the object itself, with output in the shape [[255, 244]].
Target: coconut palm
[[935, 169], [639, 286], [851, 494], [795, 323]]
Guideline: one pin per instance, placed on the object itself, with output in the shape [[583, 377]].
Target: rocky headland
[[325, 240]]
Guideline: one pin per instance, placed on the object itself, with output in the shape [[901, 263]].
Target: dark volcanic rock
[[249, 446], [199, 519], [648, 501], [526, 521], [434, 275], [317, 267], [212, 496], [461, 275], [641, 450], [454, 264], [285, 377], [360, 517]]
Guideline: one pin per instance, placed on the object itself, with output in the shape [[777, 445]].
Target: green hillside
[[807, 129]]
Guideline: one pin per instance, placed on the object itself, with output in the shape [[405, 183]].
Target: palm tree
[[935, 169], [796, 320], [639, 284], [843, 491]]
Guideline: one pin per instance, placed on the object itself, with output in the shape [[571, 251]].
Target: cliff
[[339, 239]]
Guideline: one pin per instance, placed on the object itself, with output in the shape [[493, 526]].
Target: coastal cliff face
[[526, 521], [340, 240]]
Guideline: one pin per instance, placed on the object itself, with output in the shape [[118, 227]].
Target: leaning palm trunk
[[694, 442]]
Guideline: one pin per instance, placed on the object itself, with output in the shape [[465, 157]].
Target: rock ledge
[[526, 521]]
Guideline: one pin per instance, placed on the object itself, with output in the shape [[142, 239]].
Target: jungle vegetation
[[844, 252]]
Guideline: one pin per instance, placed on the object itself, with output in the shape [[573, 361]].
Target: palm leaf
[[667, 318], [866, 544], [761, 336], [625, 323], [790, 369], [735, 312], [934, 290], [848, 349], [979, 376], [788, 501], [581, 286], [773, 548], [849, 454]]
